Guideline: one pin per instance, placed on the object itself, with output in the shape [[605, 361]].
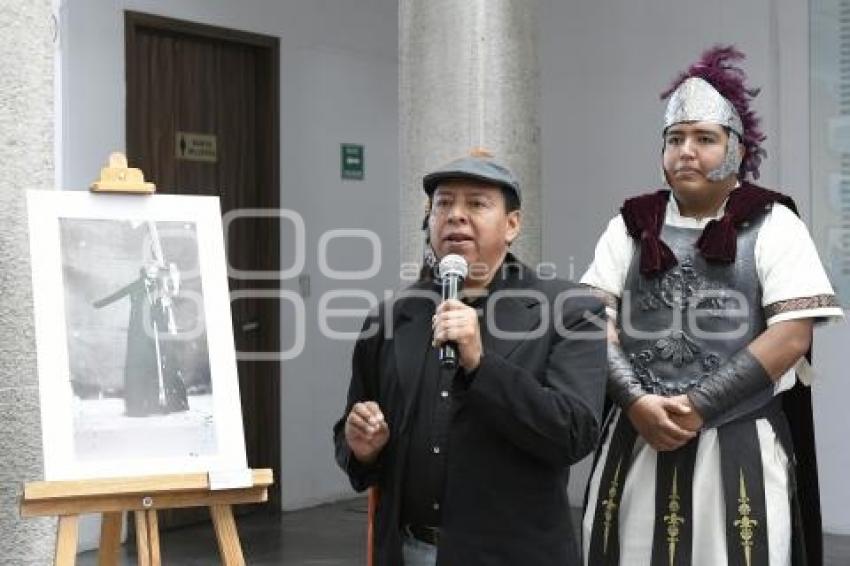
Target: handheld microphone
[[452, 271]]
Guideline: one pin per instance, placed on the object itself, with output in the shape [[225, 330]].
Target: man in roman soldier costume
[[707, 457]]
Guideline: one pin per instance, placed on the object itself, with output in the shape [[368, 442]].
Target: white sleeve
[[611, 260], [793, 279]]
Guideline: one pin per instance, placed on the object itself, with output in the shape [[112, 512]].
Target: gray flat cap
[[477, 166]]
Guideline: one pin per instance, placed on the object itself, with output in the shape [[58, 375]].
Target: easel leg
[[142, 539], [110, 539], [153, 537], [66, 540], [227, 535], [147, 538]]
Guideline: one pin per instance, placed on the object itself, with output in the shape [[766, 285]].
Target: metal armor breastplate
[[677, 328]]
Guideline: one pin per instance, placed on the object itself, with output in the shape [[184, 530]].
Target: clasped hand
[[666, 423]]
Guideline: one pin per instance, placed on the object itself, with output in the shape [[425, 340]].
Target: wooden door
[[185, 80]]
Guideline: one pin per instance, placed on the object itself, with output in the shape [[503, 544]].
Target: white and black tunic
[[725, 497]]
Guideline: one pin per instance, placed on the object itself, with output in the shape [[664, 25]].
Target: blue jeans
[[417, 553]]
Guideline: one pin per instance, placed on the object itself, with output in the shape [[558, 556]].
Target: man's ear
[[514, 224]]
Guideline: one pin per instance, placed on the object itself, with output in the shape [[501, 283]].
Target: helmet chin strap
[[731, 161]]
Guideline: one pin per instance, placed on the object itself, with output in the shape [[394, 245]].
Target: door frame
[[269, 175]]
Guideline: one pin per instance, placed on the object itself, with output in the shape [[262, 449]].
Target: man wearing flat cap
[[472, 463]]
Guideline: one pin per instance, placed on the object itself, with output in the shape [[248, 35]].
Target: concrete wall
[[339, 83], [26, 162], [603, 65]]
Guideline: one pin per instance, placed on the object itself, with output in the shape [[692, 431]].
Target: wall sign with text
[[191, 146], [352, 161]]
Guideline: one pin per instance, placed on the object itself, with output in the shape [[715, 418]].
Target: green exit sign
[[352, 161]]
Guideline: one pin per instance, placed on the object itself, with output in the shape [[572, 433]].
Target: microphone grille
[[453, 264]]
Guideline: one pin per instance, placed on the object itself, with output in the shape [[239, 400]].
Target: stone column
[[26, 161], [468, 78]]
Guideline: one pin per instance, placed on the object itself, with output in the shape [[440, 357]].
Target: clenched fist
[[458, 323]]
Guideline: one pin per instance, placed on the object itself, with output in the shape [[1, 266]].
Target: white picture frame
[[101, 263]]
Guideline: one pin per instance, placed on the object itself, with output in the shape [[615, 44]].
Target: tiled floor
[[330, 535]]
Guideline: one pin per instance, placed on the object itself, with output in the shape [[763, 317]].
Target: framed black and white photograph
[[136, 362]]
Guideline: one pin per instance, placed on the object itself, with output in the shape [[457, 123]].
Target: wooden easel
[[144, 496], [141, 495]]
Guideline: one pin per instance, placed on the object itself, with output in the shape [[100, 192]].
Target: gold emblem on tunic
[[673, 520], [610, 505], [746, 525]]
